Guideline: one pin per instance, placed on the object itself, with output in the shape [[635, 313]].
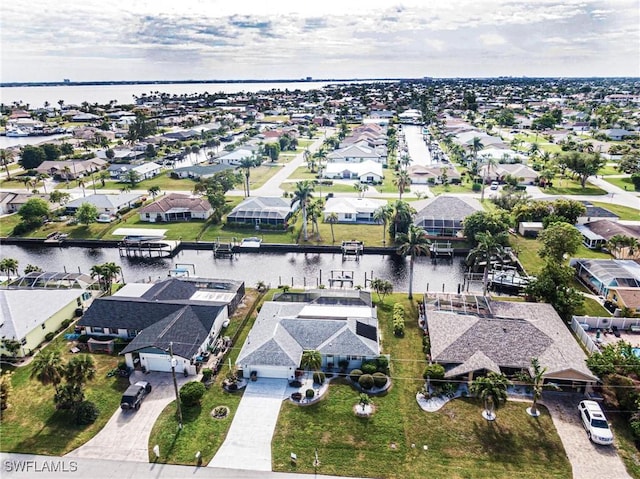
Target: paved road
[[41, 467], [248, 442], [125, 437], [418, 151], [588, 460]]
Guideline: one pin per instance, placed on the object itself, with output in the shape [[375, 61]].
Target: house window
[[96, 329], [132, 333], [348, 216]]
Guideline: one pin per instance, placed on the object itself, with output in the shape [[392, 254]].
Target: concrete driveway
[[125, 437], [248, 442], [588, 460]]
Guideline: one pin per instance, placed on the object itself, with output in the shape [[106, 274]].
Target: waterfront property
[[601, 275], [176, 207], [443, 216], [262, 211], [341, 325], [197, 172], [30, 313], [471, 336], [352, 210], [109, 204], [187, 313]]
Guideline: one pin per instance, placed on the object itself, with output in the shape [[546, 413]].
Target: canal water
[[297, 269]]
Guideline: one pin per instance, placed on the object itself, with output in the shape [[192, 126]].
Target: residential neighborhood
[[377, 279]]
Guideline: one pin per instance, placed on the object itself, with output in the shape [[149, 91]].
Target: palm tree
[[47, 368], [311, 360], [154, 191], [80, 369], [475, 146], [67, 172], [536, 381], [492, 389], [9, 266], [303, 193], [6, 157], [106, 274], [412, 244], [245, 165], [489, 161], [488, 247], [332, 218], [382, 215], [103, 175], [615, 244], [401, 181]]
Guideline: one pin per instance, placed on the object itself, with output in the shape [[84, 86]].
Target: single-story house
[[176, 207], [601, 275], [590, 239], [523, 173], [109, 204], [504, 339], [355, 153], [197, 172], [365, 172], [69, 169], [11, 202], [618, 134], [444, 215], [595, 213], [235, 157], [604, 230], [121, 154], [625, 298], [172, 312], [352, 210], [29, 314], [145, 171], [422, 175], [262, 210], [341, 325]]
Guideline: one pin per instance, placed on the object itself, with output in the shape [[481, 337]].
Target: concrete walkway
[[248, 442]]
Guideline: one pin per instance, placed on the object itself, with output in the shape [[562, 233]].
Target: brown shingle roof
[[177, 201]]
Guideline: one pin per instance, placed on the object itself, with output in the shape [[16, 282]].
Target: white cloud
[[492, 39]]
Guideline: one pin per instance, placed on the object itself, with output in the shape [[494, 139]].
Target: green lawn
[[371, 235], [32, 425], [624, 183], [460, 443], [261, 174], [303, 173], [609, 170], [201, 432], [165, 182], [7, 223], [569, 186], [624, 212], [590, 307], [440, 189], [625, 443], [335, 188]]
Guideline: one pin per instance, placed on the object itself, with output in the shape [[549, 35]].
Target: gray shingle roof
[[264, 207], [446, 207]]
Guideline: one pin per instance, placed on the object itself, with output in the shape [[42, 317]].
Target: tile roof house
[[186, 312], [353, 210], [444, 215], [338, 324], [76, 168], [262, 210], [176, 207], [504, 340], [523, 173]]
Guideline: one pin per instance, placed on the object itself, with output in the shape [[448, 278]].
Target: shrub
[[122, 365], [49, 336], [369, 367], [309, 393], [86, 413], [355, 374], [191, 393], [296, 396], [379, 379], [83, 338], [343, 364], [433, 371], [366, 381], [398, 319], [207, 374], [65, 324], [319, 377], [383, 364], [476, 187]]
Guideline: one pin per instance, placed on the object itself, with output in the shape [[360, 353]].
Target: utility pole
[[175, 385]]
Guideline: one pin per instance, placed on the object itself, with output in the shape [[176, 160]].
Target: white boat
[[16, 132]]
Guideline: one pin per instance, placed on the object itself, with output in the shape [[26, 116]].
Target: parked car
[[104, 218], [494, 185], [595, 423], [134, 395]]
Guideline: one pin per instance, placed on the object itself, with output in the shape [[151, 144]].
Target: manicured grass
[[260, 175], [183, 230], [625, 443], [624, 212], [15, 184], [226, 233], [275, 118], [590, 307], [624, 183], [303, 173], [462, 188], [165, 182], [7, 223], [335, 188], [569, 186], [32, 425], [371, 235], [460, 443], [609, 170], [201, 432]]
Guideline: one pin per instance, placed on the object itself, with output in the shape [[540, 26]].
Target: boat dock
[[352, 250], [223, 249], [341, 278], [437, 250]]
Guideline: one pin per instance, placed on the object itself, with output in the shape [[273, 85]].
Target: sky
[[89, 40]]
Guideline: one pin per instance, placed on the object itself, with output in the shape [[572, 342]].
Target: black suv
[[134, 395]]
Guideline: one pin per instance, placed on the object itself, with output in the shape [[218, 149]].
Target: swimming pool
[[636, 352]]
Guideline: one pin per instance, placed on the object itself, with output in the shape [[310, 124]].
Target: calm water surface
[[298, 269]]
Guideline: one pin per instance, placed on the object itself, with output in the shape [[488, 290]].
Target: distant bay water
[[35, 96]]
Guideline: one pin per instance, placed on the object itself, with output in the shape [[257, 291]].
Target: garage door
[[279, 372], [156, 362]]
